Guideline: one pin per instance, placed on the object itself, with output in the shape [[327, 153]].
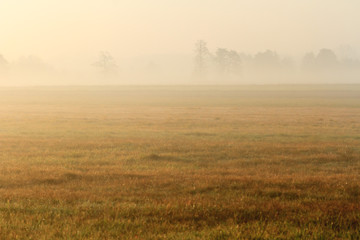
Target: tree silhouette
[[228, 61], [267, 59], [201, 56], [326, 58], [309, 62], [3, 61], [3, 64], [106, 63]]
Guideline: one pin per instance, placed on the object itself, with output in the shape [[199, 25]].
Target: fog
[[93, 42]]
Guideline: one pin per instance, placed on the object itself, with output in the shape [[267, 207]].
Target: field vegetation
[[250, 162]]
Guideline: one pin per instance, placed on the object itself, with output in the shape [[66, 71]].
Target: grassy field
[[251, 162]]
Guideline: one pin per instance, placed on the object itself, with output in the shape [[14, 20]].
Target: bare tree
[[201, 56], [106, 63]]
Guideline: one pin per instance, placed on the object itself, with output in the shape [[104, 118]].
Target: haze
[[66, 37]]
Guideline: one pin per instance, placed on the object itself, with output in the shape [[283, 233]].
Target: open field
[[251, 162]]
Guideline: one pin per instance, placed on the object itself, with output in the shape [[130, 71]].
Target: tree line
[[230, 64], [222, 65]]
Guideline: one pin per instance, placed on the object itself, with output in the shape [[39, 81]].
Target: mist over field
[[122, 42], [169, 119]]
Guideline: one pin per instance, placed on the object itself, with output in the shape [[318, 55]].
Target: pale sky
[[57, 30]]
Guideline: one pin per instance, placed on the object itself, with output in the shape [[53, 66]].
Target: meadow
[[180, 162]]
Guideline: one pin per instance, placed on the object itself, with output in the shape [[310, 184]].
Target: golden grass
[[180, 163]]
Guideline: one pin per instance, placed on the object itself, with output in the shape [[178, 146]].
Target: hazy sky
[[58, 30]]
